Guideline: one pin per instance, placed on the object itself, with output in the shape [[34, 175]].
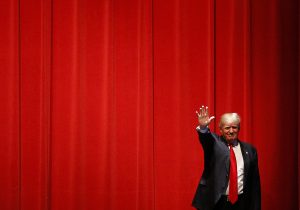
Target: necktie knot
[[233, 143]]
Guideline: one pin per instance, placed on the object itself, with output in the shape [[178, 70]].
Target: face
[[230, 131]]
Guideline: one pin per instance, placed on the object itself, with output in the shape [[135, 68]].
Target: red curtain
[[98, 99]]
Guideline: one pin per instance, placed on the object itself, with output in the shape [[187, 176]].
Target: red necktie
[[233, 188]]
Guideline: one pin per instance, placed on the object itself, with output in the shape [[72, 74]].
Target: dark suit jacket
[[214, 180]]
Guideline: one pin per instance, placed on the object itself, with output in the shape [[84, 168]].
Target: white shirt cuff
[[205, 130]]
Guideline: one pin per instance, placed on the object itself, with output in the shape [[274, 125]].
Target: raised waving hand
[[203, 117]]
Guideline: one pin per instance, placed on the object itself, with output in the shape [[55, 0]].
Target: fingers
[[203, 112], [203, 116], [206, 111], [199, 114]]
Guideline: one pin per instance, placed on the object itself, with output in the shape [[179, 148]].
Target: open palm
[[203, 117]]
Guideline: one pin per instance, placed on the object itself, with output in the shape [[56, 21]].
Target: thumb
[[211, 118]]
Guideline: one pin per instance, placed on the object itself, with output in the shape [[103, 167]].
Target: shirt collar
[[234, 143]]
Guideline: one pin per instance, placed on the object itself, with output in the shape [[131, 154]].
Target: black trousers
[[224, 204]]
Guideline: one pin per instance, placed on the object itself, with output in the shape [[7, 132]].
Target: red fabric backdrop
[[98, 99]]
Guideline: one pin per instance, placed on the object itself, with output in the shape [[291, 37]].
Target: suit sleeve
[[207, 140]]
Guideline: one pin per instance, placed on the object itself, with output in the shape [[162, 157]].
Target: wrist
[[203, 127]]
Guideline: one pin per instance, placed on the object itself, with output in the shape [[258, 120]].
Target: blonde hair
[[230, 118]]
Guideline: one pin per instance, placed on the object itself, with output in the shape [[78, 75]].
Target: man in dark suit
[[230, 179]]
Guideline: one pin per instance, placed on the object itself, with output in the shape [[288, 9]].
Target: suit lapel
[[227, 154], [246, 158]]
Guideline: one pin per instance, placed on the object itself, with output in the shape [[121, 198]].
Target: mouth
[[230, 135]]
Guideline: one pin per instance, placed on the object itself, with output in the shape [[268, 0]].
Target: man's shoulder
[[247, 145]]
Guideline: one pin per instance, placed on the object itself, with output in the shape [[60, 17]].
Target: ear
[[221, 131]]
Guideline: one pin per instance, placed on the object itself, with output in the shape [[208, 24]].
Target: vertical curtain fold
[[274, 91], [132, 175], [183, 67], [66, 112], [232, 60], [35, 30], [10, 106]]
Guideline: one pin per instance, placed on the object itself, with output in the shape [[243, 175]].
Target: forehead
[[230, 123]]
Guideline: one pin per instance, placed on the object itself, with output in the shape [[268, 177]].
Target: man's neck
[[232, 142]]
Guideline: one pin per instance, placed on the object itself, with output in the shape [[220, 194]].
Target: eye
[[233, 128]]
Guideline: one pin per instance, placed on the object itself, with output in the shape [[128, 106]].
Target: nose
[[231, 130]]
